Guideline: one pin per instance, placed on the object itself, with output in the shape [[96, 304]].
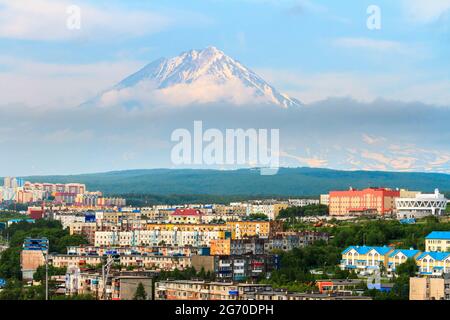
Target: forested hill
[[288, 181]]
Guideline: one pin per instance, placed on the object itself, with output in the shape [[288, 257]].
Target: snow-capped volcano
[[196, 76]]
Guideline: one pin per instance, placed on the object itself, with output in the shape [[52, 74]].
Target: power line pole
[[46, 276], [105, 274]]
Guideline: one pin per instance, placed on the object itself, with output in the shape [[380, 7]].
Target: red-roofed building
[[186, 216], [377, 201], [35, 213]]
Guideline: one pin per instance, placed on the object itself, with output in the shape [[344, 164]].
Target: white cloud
[[395, 163], [204, 90], [310, 88], [37, 83], [314, 87], [47, 20], [313, 162], [426, 11], [372, 139]]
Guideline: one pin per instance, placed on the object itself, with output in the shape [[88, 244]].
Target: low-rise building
[[434, 263], [186, 216], [421, 205], [365, 258], [345, 286], [438, 241], [399, 256], [203, 290]]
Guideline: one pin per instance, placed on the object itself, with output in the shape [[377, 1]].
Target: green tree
[[39, 275], [140, 293], [10, 264], [408, 268]]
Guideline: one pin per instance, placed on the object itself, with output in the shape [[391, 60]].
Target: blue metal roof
[[366, 249], [439, 235], [439, 256], [407, 253]]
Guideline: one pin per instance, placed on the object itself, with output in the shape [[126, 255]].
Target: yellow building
[[221, 247], [408, 194], [438, 241], [434, 263], [277, 207], [399, 256], [365, 258], [187, 227], [243, 229], [191, 216]]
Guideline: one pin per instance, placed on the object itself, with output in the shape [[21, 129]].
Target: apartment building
[[271, 210], [156, 262], [195, 290], [237, 246], [373, 201], [253, 228], [156, 237], [239, 210], [67, 260], [68, 219], [119, 286], [203, 290], [324, 199], [86, 229], [428, 288], [147, 261], [287, 241]]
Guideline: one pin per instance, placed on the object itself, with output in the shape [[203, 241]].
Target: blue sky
[[313, 50]]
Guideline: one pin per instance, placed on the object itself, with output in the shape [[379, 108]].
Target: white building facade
[[422, 205]]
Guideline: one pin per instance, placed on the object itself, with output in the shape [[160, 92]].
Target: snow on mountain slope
[[204, 76]]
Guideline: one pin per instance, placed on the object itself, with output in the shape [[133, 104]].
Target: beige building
[[325, 199], [30, 260], [69, 260], [408, 194], [202, 290], [128, 285], [429, 289]]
